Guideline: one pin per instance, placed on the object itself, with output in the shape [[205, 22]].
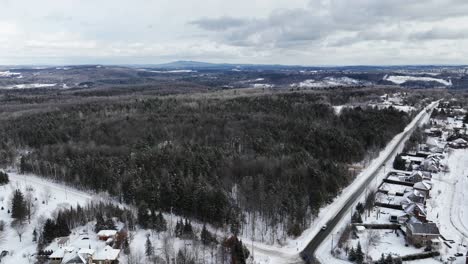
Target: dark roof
[[424, 228]]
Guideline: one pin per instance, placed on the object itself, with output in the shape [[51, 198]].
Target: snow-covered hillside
[[399, 79], [329, 82]]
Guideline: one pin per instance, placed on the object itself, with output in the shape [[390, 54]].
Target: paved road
[[308, 254]]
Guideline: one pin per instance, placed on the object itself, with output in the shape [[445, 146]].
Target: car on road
[[458, 254], [324, 227]]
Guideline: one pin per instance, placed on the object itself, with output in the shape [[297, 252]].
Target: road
[[308, 254]]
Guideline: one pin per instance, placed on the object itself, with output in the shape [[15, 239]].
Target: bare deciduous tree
[[45, 195], [19, 228]]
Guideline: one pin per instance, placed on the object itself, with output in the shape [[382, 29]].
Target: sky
[[294, 32]]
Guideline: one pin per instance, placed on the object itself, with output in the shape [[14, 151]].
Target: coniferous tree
[[399, 163], [100, 223], [61, 226], [126, 247], [161, 224], [179, 228], [149, 250], [143, 216], [4, 178], [352, 255], [34, 235], [359, 254], [18, 206], [48, 232], [206, 237]]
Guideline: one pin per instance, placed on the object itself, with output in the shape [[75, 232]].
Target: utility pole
[[331, 249]]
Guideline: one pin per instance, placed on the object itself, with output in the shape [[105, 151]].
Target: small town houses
[[86, 250]]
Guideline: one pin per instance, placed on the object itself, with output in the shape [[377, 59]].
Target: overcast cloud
[[308, 32]]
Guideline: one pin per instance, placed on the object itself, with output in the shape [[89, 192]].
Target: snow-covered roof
[[59, 253], [107, 253], [107, 233], [424, 228], [460, 141], [424, 185], [86, 251]]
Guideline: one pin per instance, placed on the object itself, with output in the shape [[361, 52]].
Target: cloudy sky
[[307, 32]]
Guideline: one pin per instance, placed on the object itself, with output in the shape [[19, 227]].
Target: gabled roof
[[107, 253], [422, 186], [424, 228]]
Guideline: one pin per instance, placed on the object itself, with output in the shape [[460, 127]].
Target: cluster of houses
[[86, 250], [408, 192]]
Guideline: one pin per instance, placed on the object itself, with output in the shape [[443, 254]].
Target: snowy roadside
[[323, 253]]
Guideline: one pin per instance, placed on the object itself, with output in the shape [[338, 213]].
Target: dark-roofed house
[[421, 234]]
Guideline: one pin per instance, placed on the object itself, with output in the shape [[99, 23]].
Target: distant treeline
[[281, 156]]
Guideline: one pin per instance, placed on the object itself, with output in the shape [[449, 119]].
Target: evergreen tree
[[18, 208], [143, 216], [149, 251], [465, 120], [188, 230], [100, 223], [206, 237], [109, 224], [61, 226], [359, 254], [48, 232], [179, 228], [3, 178], [389, 259], [399, 163], [126, 247], [382, 259], [357, 217], [34, 235], [160, 223], [352, 255]]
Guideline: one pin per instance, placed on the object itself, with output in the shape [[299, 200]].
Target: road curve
[[308, 254]]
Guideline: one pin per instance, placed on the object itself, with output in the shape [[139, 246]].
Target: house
[[105, 235], [58, 255], [107, 255], [424, 187], [421, 234], [458, 143], [415, 210], [418, 176], [414, 197]]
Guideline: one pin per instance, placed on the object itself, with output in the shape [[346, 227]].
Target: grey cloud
[[323, 19], [219, 24]]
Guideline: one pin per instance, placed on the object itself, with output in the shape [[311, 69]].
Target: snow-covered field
[[399, 79], [449, 204], [6, 74], [328, 82], [29, 86], [169, 71]]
